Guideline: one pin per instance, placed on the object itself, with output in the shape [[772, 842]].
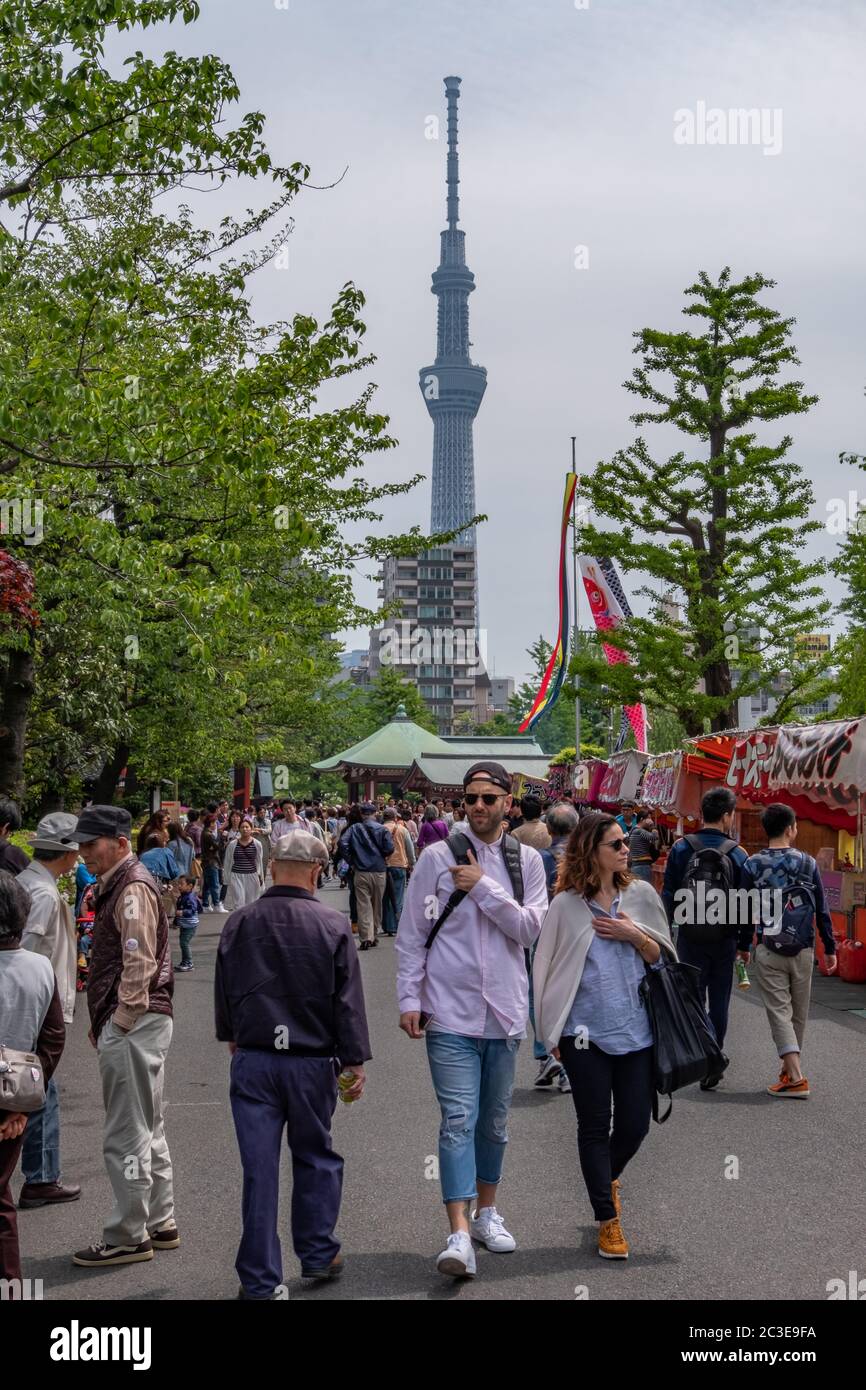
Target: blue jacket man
[[365, 847], [714, 959]]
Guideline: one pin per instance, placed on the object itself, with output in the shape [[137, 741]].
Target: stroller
[[84, 928]]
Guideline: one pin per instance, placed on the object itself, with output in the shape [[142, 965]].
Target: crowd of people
[[508, 917]]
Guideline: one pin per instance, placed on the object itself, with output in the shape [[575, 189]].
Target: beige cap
[[300, 847]]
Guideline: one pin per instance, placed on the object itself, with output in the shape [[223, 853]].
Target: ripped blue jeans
[[473, 1079]]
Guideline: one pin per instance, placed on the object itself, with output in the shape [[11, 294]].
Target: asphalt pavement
[[738, 1195]]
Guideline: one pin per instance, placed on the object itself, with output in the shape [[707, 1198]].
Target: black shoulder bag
[[684, 1045]]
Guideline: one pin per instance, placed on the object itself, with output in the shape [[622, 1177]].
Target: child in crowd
[[189, 905]]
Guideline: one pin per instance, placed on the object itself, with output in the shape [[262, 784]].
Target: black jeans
[[595, 1078], [715, 961]]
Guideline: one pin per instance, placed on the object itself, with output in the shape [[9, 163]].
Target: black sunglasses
[[489, 798], [615, 845]]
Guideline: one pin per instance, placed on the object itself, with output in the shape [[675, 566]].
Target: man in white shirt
[[50, 932], [472, 985], [290, 822]]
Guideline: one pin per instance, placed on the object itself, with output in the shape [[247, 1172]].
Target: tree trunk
[[104, 787], [16, 694]]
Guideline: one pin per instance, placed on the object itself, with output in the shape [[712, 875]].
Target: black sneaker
[[167, 1238], [548, 1071], [710, 1082], [99, 1254], [331, 1271]]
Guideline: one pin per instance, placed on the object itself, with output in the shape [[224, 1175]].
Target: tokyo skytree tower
[[453, 386]]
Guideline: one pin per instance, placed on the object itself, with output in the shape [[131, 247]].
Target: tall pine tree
[[720, 525]]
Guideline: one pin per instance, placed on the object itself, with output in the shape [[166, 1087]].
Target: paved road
[[793, 1219]]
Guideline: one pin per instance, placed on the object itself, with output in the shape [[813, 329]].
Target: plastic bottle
[[742, 975], [345, 1080]]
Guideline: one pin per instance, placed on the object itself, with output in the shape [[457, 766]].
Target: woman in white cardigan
[[602, 931], [243, 871]]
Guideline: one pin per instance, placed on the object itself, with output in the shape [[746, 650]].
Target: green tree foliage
[[196, 495], [720, 525], [849, 655], [386, 692]]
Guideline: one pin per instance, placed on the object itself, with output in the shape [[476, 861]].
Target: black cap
[[494, 772], [103, 820]]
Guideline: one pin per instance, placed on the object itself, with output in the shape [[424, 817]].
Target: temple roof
[[400, 744]]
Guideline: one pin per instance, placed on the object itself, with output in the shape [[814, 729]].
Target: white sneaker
[[222, 908], [564, 1083], [488, 1227], [458, 1257]]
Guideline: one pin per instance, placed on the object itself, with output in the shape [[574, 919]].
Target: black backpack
[[459, 846], [712, 866]]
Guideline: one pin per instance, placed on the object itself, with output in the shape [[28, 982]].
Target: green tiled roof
[[396, 744]]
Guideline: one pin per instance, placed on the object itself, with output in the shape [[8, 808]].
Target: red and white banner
[[622, 778], [826, 763], [607, 612]]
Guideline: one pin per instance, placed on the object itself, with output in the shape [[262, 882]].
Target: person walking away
[[12, 857], [211, 864], [643, 846], [193, 829], [32, 1021], [289, 1002], [366, 847], [186, 920], [129, 996], [603, 930], [791, 901], [398, 865], [50, 932], [561, 824], [467, 992], [702, 876], [533, 831], [181, 848], [432, 829], [243, 871]]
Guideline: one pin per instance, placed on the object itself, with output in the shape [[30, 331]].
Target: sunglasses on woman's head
[[489, 798]]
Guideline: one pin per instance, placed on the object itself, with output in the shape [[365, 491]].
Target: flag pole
[[576, 638]]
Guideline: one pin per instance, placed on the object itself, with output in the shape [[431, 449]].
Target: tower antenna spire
[[452, 88]]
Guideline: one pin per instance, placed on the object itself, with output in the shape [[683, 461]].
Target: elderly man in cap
[[50, 932], [290, 1005], [474, 904], [129, 992]]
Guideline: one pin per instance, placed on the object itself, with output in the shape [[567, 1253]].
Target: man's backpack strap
[[460, 846], [697, 845], [511, 855]]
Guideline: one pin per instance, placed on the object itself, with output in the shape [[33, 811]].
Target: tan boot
[[612, 1244]]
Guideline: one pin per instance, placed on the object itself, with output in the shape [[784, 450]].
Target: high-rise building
[[436, 641]]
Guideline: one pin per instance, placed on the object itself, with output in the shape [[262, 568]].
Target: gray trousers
[[785, 983], [369, 892], [132, 1069]]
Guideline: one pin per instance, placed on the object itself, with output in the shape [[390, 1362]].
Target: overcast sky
[[566, 138]]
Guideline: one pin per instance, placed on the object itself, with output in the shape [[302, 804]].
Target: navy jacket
[[366, 846], [288, 980], [675, 871]]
